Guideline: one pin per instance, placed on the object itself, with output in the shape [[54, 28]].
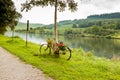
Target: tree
[[96, 30], [12, 26], [74, 26], [8, 15], [58, 5]]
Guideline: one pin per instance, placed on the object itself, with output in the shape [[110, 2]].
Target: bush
[[82, 35], [108, 37], [16, 37], [89, 54]]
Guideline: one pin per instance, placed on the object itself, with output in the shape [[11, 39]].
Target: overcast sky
[[85, 8]]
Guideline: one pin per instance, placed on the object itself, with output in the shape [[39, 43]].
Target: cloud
[[85, 8], [90, 7], [103, 4]]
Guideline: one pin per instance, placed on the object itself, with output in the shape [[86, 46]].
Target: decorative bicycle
[[57, 48]]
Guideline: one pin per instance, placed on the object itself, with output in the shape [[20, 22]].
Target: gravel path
[[11, 68]]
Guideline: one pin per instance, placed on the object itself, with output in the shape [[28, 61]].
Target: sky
[[85, 8]]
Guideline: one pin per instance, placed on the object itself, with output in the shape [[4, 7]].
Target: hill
[[105, 16], [104, 25], [89, 21], [77, 23], [22, 26]]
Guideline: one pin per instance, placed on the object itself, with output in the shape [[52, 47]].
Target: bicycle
[[57, 48]]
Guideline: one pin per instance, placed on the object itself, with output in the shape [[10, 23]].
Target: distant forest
[[105, 16]]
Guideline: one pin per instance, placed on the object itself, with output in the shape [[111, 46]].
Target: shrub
[[108, 37], [89, 54]]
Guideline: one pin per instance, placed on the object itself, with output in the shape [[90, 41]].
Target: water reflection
[[101, 47]]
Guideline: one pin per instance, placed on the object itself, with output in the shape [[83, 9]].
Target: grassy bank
[[82, 66]]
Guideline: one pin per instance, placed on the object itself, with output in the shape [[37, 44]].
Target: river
[[100, 47]]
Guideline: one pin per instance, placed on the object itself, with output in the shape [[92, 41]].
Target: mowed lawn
[[82, 66]]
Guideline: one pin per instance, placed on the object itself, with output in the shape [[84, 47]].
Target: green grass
[[82, 66]]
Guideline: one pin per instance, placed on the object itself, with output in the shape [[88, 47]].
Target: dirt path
[[11, 68]]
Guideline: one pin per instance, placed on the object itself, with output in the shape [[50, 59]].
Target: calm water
[[101, 47]]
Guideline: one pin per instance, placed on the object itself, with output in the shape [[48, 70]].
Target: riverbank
[[115, 36], [82, 66]]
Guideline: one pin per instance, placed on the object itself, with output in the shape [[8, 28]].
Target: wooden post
[[27, 32]]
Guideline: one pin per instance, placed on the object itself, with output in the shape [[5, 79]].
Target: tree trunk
[[55, 23], [12, 34], [55, 47]]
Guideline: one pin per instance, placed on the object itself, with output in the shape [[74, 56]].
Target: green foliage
[[22, 26], [80, 67], [8, 15], [83, 27], [2, 30], [94, 30], [89, 54], [64, 22], [105, 16], [108, 37], [74, 26], [61, 4]]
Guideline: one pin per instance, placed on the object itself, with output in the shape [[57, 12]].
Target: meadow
[[82, 66]]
